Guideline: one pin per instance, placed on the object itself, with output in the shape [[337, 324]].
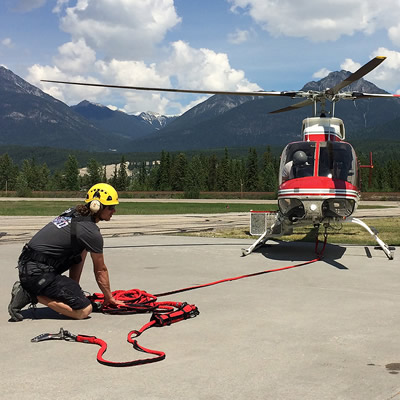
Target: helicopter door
[[337, 160], [297, 161]]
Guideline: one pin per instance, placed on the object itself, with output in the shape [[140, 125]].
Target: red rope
[[267, 271]]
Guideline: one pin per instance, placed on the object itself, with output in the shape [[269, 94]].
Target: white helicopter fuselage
[[325, 186]]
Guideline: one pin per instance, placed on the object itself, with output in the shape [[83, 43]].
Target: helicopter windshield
[[337, 160], [297, 161]]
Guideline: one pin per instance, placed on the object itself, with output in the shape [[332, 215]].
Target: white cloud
[[394, 34], [67, 93], [60, 5], [239, 36], [191, 68], [122, 29], [135, 73], [322, 73], [204, 69], [386, 76], [322, 21], [75, 57], [350, 65], [7, 42]]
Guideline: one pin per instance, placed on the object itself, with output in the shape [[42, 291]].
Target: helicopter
[[319, 179]]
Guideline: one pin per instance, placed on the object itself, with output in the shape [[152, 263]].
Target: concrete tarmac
[[327, 330]]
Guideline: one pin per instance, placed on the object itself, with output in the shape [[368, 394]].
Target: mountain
[[361, 116], [119, 122], [234, 121], [28, 116], [157, 121]]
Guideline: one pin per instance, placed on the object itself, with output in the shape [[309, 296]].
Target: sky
[[234, 45]]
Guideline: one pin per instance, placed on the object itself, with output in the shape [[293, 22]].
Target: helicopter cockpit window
[[297, 161], [337, 160]]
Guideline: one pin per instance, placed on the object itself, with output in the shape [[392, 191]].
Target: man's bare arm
[[102, 277]]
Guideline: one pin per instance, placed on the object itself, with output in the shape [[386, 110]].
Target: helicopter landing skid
[[268, 234], [373, 233]]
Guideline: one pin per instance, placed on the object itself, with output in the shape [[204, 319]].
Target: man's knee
[[84, 312]]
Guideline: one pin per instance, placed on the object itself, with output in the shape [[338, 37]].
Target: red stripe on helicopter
[[320, 194], [317, 182], [327, 192], [322, 137]]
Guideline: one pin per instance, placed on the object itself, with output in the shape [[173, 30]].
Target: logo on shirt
[[61, 222]]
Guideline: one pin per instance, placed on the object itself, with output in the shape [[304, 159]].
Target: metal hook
[[61, 335]]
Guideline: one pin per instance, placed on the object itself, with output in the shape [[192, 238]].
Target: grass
[[388, 230], [48, 208]]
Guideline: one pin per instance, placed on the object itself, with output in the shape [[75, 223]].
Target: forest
[[255, 172]]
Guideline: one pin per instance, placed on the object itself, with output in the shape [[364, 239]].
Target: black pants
[[40, 279]]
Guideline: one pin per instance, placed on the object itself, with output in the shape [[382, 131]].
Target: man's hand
[[112, 301]]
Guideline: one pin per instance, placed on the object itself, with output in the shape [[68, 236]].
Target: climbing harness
[[163, 313]]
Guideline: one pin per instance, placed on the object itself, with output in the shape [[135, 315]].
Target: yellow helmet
[[104, 193]]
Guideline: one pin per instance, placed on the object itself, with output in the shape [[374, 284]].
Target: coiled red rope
[[139, 301]]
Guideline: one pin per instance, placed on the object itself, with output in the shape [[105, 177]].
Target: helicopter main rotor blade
[[294, 106], [358, 95], [261, 93], [355, 76]]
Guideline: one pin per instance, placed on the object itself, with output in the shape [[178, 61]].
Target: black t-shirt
[[54, 239]]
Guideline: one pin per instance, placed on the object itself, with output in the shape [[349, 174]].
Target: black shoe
[[96, 306], [19, 299]]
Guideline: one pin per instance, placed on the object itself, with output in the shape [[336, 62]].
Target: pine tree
[[238, 174], [122, 176], [8, 173], [142, 177], [212, 173], [269, 174], [22, 186], [114, 178], [43, 178], [94, 170], [56, 181], [393, 170], [163, 172], [28, 174], [223, 173], [195, 179], [104, 175], [71, 173], [252, 180], [178, 172]]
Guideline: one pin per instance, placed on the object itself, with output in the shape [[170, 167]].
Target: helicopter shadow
[[303, 250]]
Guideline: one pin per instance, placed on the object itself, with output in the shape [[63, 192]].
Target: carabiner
[[61, 335]]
